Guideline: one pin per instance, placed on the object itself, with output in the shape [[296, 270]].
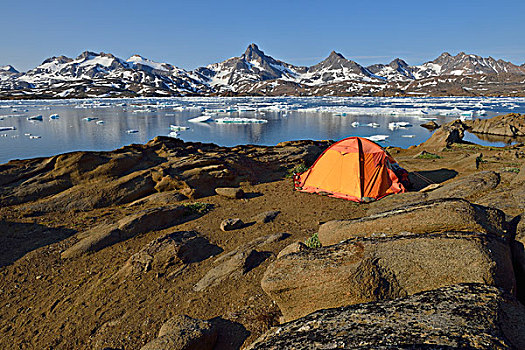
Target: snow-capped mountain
[[463, 64], [397, 70], [252, 66], [92, 74], [335, 68], [255, 73]]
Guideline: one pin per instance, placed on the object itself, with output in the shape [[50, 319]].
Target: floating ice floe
[[54, 116], [200, 119], [173, 134], [373, 125], [100, 122], [7, 128], [178, 127], [132, 131], [377, 138], [355, 124], [398, 125], [88, 119], [408, 136], [228, 120], [35, 137], [35, 117]]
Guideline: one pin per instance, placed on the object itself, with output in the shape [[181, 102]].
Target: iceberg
[[54, 116], [100, 122], [373, 125], [88, 119], [178, 128], [132, 131], [173, 134], [228, 120], [35, 137], [7, 128], [200, 119], [399, 125], [355, 124], [377, 138], [35, 117]]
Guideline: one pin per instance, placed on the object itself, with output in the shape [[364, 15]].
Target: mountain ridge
[[254, 73]]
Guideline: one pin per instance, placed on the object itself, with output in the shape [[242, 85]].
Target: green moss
[[429, 156], [511, 170], [300, 168], [199, 207], [313, 242]]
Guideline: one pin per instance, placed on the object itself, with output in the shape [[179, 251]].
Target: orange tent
[[354, 168]]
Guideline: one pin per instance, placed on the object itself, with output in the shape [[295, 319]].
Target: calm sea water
[[287, 119]]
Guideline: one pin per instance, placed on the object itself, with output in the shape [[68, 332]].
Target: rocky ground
[[132, 249]]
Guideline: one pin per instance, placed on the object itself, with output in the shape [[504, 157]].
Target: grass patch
[[299, 168], [428, 155], [511, 170], [313, 242], [199, 207]]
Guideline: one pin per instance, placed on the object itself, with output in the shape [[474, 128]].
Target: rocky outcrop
[[87, 180], [420, 218], [238, 262], [464, 316], [445, 136], [172, 251], [510, 125], [369, 269], [467, 187], [144, 221], [184, 333]]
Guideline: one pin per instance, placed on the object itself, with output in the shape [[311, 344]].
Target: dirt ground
[[47, 302]]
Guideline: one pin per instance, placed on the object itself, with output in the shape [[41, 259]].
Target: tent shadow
[[17, 239], [421, 179]]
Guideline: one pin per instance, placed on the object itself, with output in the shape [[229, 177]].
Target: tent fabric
[[354, 168]]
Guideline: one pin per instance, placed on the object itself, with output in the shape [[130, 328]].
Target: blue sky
[[189, 34]]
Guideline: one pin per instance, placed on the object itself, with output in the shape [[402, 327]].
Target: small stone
[[230, 192], [267, 216], [431, 125], [293, 248], [430, 187], [231, 224]]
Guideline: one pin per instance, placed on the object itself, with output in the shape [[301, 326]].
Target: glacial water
[[107, 124]]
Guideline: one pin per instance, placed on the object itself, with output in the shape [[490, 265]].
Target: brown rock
[[184, 333], [430, 125], [293, 248], [230, 192], [232, 224], [463, 316], [420, 218], [467, 187], [445, 136], [370, 269], [511, 125], [266, 217], [144, 221]]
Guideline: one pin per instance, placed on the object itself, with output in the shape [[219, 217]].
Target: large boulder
[[238, 261], [511, 125], [144, 221], [184, 333], [467, 187], [420, 218], [174, 250], [464, 316], [369, 269], [445, 136]]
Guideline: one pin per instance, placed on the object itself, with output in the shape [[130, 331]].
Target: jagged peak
[[398, 62], [252, 52], [86, 54], [8, 68], [336, 55]]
